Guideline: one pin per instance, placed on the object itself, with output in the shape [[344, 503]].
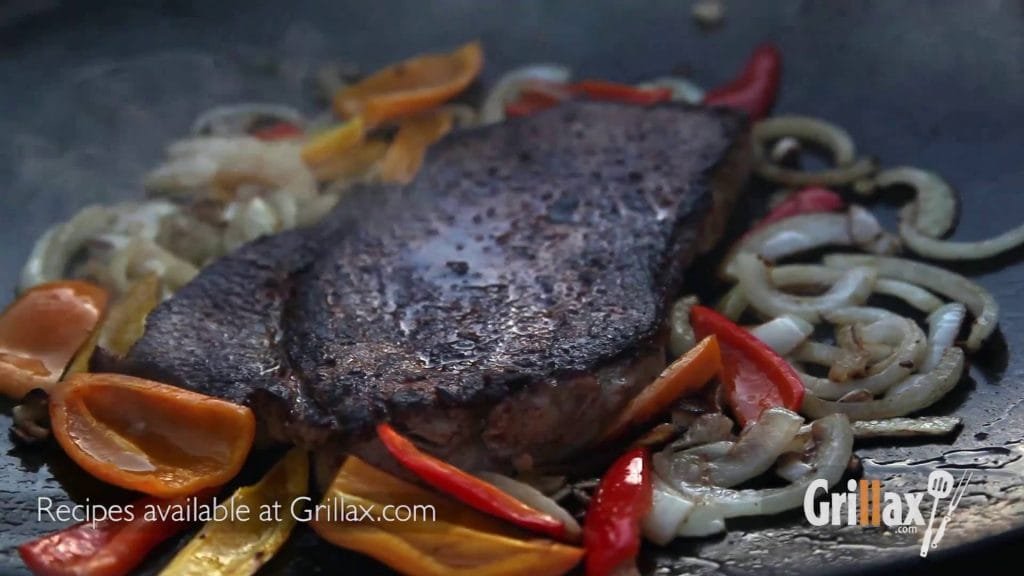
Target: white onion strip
[[817, 275], [933, 211], [943, 328], [949, 284], [853, 288], [757, 448], [913, 394], [828, 453], [937, 249], [824, 134], [508, 87], [783, 334], [855, 228], [533, 498]]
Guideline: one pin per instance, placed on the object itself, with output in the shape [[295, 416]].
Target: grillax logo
[[865, 503]]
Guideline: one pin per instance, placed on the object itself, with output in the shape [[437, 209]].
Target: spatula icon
[[961, 487], [940, 485]]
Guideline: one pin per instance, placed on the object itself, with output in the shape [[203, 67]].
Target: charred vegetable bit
[[754, 377], [443, 538], [41, 331], [31, 418], [467, 488], [687, 374], [412, 86], [612, 528], [756, 87], [111, 547], [189, 441], [240, 546]]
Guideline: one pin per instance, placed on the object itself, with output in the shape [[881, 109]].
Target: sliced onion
[[948, 250], [853, 288], [683, 90], [784, 334], [53, 251], [943, 327], [805, 232], [237, 119], [933, 211], [906, 427], [954, 286], [913, 394], [827, 456], [824, 134], [668, 510], [508, 87], [681, 336], [705, 429], [734, 303], [732, 463], [534, 499]]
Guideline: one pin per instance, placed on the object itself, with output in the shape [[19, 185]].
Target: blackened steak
[[500, 309]]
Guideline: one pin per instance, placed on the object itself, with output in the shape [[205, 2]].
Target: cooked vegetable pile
[[798, 359]]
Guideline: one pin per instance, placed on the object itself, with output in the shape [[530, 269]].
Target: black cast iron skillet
[[90, 92]]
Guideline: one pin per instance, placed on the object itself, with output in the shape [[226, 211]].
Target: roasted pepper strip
[[611, 529], [755, 88], [412, 86], [688, 373], [111, 547], [405, 155], [754, 377], [189, 441], [334, 142], [444, 538], [806, 201], [41, 331], [240, 546], [467, 488], [123, 324], [624, 93]]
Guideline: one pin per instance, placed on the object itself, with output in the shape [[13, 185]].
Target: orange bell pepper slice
[[41, 331], [405, 155], [441, 537], [411, 86], [689, 373], [149, 437], [333, 143]]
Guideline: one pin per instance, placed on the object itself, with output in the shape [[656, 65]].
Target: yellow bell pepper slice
[[405, 155], [239, 547], [334, 142], [123, 325], [441, 537]]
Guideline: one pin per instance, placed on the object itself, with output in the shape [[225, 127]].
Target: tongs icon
[[961, 487]]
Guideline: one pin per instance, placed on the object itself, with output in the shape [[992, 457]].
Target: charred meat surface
[[499, 309]]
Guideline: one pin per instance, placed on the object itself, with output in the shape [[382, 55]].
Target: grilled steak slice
[[500, 309]]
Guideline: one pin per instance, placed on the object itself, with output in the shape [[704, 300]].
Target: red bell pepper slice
[[611, 530], [806, 201], [467, 488], [754, 377], [755, 88], [278, 131], [112, 547], [616, 92]]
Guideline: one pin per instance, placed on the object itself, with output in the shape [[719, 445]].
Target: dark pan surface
[[92, 91]]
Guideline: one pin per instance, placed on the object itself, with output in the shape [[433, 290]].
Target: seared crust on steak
[[500, 308]]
